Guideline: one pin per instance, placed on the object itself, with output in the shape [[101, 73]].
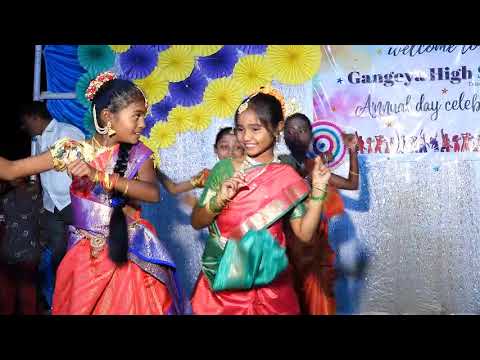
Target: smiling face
[[128, 122], [257, 140]]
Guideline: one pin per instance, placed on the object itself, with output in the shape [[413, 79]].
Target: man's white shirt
[[55, 184]]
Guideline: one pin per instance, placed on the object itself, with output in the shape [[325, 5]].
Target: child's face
[[129, 122], [297, 134], [228, 146], [253, 135]]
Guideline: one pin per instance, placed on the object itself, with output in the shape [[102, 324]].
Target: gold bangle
[[354, 173], [126, 189], [95, 179], [194, 181], [210, 210]]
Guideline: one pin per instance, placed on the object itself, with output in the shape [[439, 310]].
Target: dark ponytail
[[118, 230]]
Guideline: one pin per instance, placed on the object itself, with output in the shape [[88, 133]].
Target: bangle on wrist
[[213, 205], [318, 198]]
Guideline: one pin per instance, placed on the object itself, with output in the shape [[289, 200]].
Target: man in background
[[45, 131]]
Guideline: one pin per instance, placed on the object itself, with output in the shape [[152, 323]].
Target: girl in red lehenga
[[314, 262], [115, 264], [245, 267]]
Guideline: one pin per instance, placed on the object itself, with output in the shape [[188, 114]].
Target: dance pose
[[245, 268], [115, 264]]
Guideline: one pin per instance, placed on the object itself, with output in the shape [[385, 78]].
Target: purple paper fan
[[138, 61], [149, 122], [159, 48], [252, 49], [190, 91], [161, 109], [220, 64]]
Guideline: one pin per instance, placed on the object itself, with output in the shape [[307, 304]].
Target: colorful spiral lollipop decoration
[[327, 137]]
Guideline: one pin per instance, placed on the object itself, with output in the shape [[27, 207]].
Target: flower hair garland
[[96, 83], [269, 90]]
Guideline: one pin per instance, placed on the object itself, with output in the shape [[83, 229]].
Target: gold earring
[[110, 131]]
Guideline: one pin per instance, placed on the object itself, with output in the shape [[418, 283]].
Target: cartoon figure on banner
[[361, 143], [327, 139], [413, 144], [445, 142], [387, 149], [394, 145], [369, 145], [466, 137], [477, 145], [378, 143], [423, 147], [456, 144], [403, 145], [434, 143]]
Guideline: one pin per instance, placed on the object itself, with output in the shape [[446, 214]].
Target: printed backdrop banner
[[402, 98]]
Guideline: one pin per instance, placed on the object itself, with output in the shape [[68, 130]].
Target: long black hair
[[116, 95]]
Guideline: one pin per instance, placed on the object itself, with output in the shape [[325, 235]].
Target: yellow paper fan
[[176, 63], [222, 97], [180, 119], [200, 117], [119, 48], [293, 64], [152, 146], [154, 87], [205, 50], [251, 72], [162, 135]]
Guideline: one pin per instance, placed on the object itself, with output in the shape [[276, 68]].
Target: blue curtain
[[63, 71]]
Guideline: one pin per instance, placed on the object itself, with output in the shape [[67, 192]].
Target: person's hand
[[80, 168], [200, 179], [326, 157], [230, 188], [351, 141], [320, 175]]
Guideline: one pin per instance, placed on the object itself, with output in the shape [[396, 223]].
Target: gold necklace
[[249, 161]]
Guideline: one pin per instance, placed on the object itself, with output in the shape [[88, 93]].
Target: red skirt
[[278, 298], [96, 286]]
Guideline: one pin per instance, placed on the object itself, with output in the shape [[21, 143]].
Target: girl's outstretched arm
[[32, 165]]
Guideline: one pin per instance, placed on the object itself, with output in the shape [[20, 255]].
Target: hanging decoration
[[219, 64], [96, 58], [251, 72], [138, 62], [222, 97], [190, 91], [176, 63], [293, 64]]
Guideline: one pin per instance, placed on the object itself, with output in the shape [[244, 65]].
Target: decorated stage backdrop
[[408, 241]]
